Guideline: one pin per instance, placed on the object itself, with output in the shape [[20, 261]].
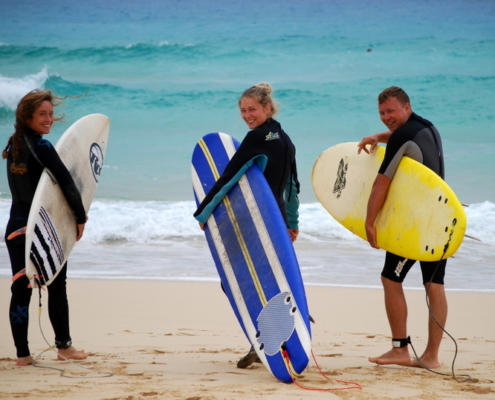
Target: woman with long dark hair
[[27, 154]]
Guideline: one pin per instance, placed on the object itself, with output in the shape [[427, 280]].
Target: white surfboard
[[51, 228]]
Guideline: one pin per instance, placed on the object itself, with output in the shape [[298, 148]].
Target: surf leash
[[468, 236], [101, 374], [467, 377], [473, 237], [293, 375]]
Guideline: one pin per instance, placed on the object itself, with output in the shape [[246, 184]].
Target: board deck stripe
[[235, 225], [209, 159], [47, 252], [269, 249], [53, 235], [221, 254], [38, 255]]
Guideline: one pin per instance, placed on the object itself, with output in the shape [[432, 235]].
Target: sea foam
[[13, 89], [161, 221]]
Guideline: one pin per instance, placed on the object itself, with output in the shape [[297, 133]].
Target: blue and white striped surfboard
[[255, 259]]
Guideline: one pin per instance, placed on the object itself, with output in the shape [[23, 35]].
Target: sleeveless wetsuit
[[23, 176], [419, 140], [272, 147]]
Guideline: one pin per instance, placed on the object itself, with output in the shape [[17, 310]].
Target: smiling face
[[42, 119], [253, 113], [393, 113]]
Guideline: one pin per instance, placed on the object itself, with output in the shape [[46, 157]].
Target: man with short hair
[[409, 135]]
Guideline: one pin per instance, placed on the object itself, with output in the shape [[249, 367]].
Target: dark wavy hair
[[23, 116]]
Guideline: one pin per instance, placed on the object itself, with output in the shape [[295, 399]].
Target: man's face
[[394, 114]]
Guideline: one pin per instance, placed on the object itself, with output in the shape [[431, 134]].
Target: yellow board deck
[[421, 214]]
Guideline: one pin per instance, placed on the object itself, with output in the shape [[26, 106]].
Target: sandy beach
[[180, 340]]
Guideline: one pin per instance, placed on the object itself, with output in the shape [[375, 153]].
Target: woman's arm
[[51, 160]]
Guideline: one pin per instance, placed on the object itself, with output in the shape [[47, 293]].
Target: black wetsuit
[[23, 177], [419, 140], [271, 141]]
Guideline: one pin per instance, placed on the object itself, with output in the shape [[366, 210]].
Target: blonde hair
[[262, 93]]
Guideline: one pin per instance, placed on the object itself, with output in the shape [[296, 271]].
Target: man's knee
[[435, 289], [390, 282]]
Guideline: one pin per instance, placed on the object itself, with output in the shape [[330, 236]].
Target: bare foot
[[398, 356], [424, 363], [71, 354], [24, 361]]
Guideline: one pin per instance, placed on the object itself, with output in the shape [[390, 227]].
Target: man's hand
[[371, 236], [371, 140], [375, 204]]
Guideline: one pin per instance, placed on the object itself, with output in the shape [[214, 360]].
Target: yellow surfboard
[[422, 219]]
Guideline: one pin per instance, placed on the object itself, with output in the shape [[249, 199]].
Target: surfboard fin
[[18, 232]]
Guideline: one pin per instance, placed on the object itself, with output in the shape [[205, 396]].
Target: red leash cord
[[287, 361]]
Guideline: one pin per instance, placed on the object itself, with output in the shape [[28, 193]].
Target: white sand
[[180, 340]]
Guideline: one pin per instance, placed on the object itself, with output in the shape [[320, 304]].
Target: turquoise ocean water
[[168, 72]]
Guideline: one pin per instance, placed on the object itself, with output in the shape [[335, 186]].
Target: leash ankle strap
[[401, 342]]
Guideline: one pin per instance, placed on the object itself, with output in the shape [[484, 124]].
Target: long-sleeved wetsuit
[[23, 175], [272, 143]]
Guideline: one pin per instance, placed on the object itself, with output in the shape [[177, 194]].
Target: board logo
[[18, 168], [339, 184], [272, 136], [96, 160]]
